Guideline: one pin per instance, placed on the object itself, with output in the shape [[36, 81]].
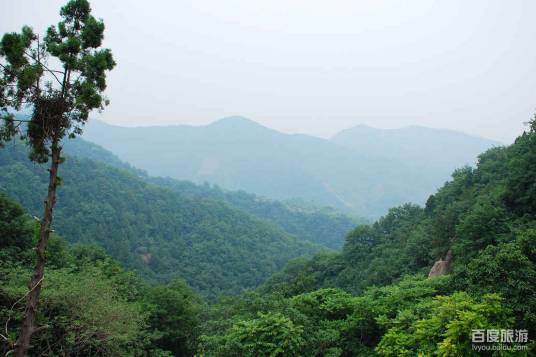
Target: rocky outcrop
[[441, 267]]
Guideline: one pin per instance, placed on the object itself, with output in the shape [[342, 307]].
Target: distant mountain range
[[416, 145], [362, 170]]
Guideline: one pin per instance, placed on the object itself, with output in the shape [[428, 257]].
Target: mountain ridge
[[239, 119], [239, 154], [416, 127]]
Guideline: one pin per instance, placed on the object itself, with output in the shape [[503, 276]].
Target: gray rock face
[[441, 267]]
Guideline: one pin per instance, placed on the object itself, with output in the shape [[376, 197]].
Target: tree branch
[[22, 120], [41, 328], [15, 303], [38, 85], [51, 71]]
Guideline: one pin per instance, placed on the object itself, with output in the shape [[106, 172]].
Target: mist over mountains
[[416, 145], [362, 171]]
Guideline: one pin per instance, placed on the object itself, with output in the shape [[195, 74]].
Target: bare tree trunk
[[28, 324]]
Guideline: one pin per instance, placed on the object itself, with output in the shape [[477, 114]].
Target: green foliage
[[381, 253], [506, 269], [323, 226], [475, 210], [484, 216], [376, 254], [173, 312], [82, 312], [333, 322], [379, 304], [484, 224], [16, 233], [371, 299], [60, 99], [520, 192], [160, 233], [90, 306], [329, 329], [443, 326], [303, 275], [271, 334]]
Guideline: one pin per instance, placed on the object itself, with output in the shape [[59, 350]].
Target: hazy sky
[[315, 67]]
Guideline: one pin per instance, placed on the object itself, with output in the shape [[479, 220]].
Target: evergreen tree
[[60, 101]]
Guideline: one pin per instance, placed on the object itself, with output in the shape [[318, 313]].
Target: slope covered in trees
[[321, 225], [239, 154], [374, 298], [324, 226], [90, 305], [485, 206], [162, 234]]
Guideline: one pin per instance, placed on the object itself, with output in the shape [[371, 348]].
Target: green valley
[[163, 234], [144, 229]]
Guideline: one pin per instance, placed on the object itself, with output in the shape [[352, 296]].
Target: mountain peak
[[235, 121]]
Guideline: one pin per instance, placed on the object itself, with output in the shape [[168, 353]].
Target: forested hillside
[[375, 299], [90, 304], [160, 233], [234, 239], [479, 208], [324, 226], [239, 154], [321, 225]]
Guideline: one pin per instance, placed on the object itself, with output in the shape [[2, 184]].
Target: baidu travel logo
[[500, 340]]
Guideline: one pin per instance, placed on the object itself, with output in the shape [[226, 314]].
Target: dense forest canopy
[[160, 233], [372, 298], [91, 306], [322, 225]]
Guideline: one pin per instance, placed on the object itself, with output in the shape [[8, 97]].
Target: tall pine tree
[[60, 78]]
